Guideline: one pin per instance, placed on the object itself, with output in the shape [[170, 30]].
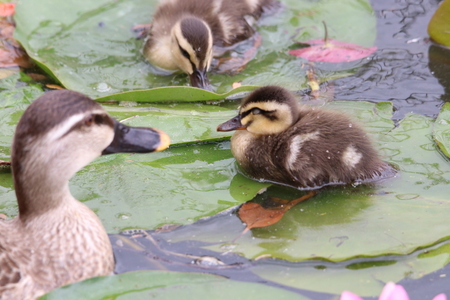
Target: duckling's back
[[225, 17]]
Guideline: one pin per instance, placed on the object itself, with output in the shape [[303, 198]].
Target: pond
[[177, 209]]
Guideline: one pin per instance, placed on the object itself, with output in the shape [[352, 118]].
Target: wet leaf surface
[[168, 285], [94, 50]]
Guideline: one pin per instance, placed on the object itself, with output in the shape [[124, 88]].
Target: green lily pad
[[175, 94], [439, 26], [335, 224], [184, 123], [16, 92], [442, 129], [168, 285], [90, 47], [364, 277]]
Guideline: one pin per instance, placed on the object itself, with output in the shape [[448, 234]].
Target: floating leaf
[[174, 94], [442, 129], [255, 215], [168, 285], [439, 26], [332, 51]]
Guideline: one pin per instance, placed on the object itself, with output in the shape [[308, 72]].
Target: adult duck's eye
[[256, 111], [89, 121]]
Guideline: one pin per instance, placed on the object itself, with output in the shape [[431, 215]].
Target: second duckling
[[183, 33], [279, 140]]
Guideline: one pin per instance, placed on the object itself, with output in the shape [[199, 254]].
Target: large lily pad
[[442, 129], [168, 285], [335, 224], [89, 46]]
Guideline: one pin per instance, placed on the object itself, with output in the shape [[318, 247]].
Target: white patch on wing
[[217, 5], [253, 4], [351, 157], [296, 145]]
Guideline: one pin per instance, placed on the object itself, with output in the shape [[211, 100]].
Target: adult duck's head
[[61, 132]]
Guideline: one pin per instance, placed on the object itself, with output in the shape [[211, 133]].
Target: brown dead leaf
[[255, 215], [54, 86], [37, 76]]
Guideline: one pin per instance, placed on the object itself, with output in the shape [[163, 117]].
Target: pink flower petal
[[391, 291], [440, 297], [7, 9], [349, 296], [332, 51]]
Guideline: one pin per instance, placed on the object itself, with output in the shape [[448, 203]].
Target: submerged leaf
[[255, 215], [332, 51]]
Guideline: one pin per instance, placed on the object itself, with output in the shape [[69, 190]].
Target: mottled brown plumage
[[183, 33], [284, 142], [55, 239]]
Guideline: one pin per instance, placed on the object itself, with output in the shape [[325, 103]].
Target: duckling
[[55, 239], [281, 141], [183, 33]]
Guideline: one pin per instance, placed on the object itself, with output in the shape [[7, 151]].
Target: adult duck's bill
[[232, 124], [200, 79], [136, 139]]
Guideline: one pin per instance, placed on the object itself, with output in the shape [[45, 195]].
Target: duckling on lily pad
[[56, 240], [183, 33], [279, 140]]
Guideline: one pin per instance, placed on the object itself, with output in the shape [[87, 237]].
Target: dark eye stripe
[[259, 111], [182, 50]]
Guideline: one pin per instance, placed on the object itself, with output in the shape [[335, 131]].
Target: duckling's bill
[[200, 79], [232, 124], [136, 139]]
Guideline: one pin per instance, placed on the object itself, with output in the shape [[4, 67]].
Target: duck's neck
[[38, 193]]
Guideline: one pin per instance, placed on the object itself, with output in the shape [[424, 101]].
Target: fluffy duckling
[[183, 33], [56, 240], [279, 140]]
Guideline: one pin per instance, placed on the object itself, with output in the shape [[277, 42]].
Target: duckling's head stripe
[[194, 31]]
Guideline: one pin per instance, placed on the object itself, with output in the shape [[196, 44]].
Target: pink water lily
[[391, 291]]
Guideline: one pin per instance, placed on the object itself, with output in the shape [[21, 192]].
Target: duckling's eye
[[256, 111], [185, 53]]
